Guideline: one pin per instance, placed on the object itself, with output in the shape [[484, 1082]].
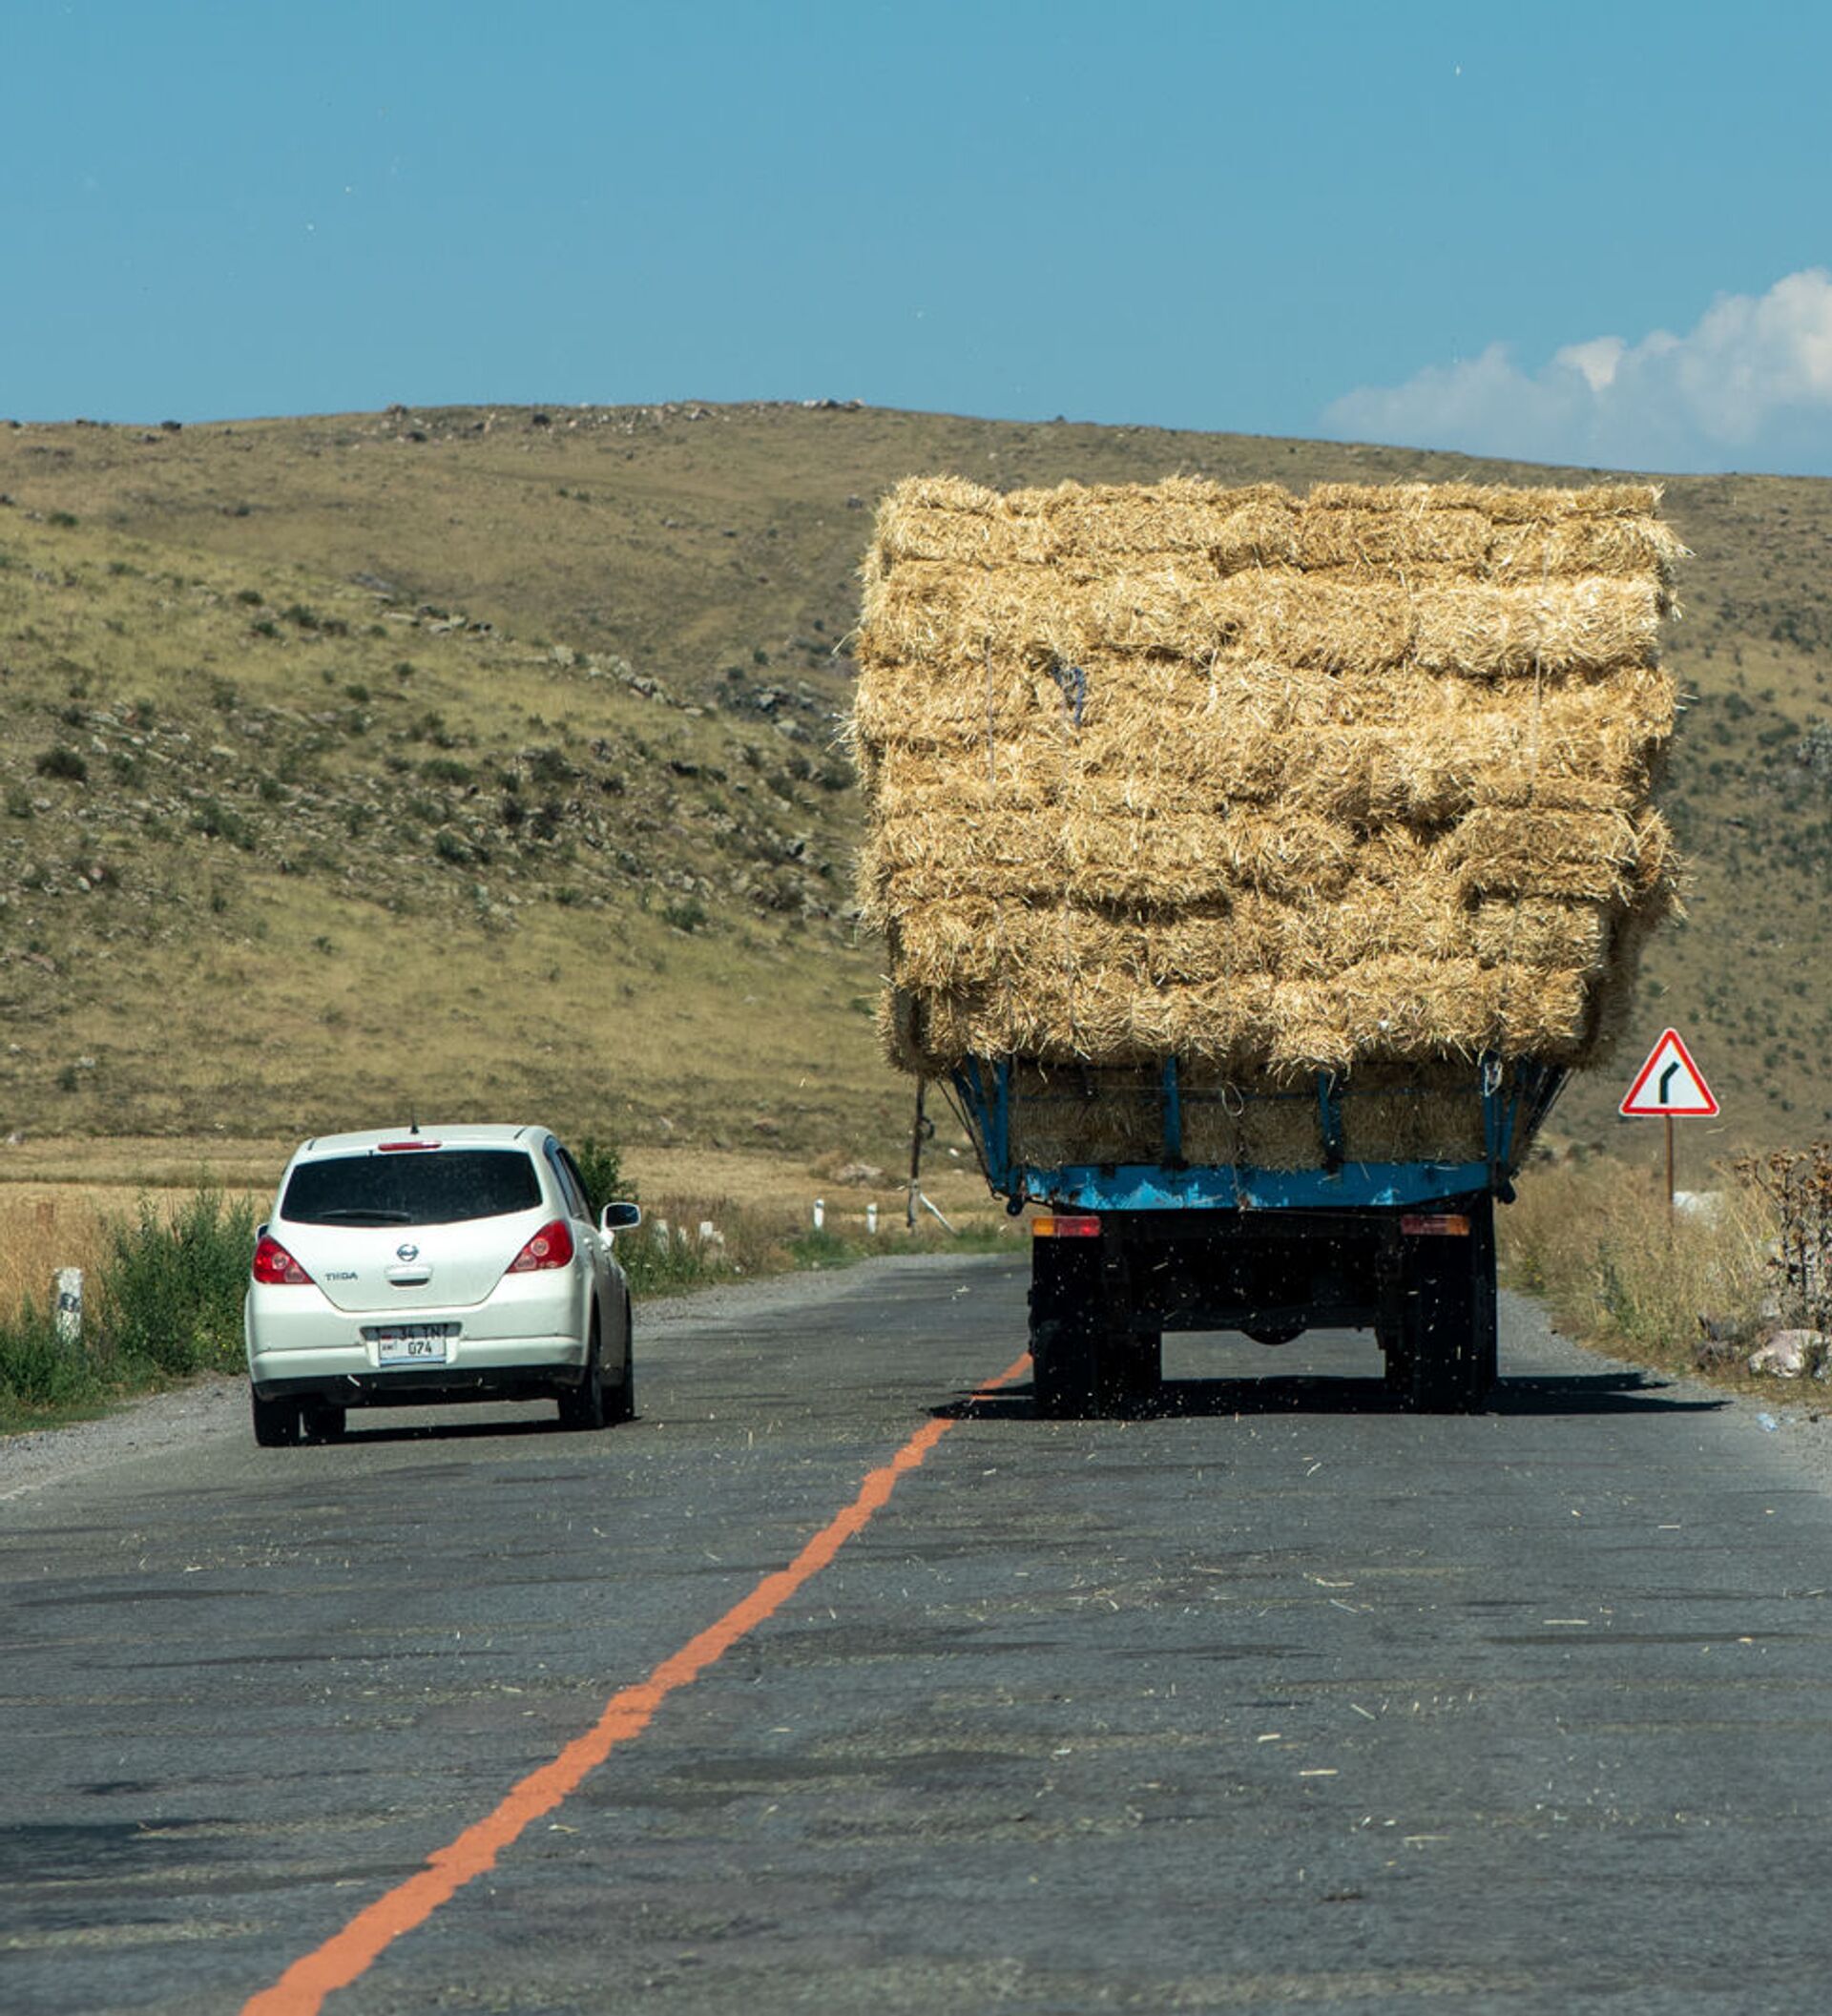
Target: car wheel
[[276, 1422], [322, 1421], [622, 1402], [582, 1407]]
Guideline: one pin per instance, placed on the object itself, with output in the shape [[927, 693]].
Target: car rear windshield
[[436, 1186]]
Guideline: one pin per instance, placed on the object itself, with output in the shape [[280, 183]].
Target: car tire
[[276, 1422], [621, 1405], [582, 1407]]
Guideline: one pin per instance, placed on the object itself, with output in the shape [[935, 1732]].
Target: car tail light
[[277, 1267], [396, 1148], [550, 1247], [1078, 1227]]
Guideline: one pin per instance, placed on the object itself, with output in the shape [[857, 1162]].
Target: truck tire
[[1448, 1359], [1396, 1367], [1131, 1371], [1067, 1330]]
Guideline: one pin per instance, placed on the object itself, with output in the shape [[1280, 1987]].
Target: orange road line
[[301, 1990]]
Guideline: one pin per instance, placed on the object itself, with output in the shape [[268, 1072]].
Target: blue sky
[[1595, 233]]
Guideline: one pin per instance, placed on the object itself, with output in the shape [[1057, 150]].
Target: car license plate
[[412, 1344]]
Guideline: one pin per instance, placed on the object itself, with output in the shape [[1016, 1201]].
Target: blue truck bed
[[1515, 1097]]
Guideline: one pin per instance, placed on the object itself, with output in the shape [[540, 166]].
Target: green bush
[[63, 762], [38, 1368], [819, 1247], [216, 820], [601, 1165], [658, 1266], [171, 1288]]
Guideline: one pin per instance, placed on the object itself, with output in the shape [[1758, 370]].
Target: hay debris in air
[[1357, 782]]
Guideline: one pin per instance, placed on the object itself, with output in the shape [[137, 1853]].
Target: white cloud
[[1749, 387]]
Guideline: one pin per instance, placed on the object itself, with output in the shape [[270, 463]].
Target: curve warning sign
[[1670, 1084]]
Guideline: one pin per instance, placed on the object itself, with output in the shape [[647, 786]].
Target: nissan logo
[[408, 1251]]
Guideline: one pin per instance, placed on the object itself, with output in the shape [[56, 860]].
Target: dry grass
[[43, 1228], [1592, 1240], [48, 1226]]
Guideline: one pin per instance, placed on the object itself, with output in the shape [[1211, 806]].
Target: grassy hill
[[482, 761]]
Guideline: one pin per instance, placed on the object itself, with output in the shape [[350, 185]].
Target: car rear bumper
[[418, 1386], [349, 1367]]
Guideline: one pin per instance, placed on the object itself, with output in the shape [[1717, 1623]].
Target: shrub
[[171, 1288], [38, 1368], [687, 916], [601, 1165], [64, 762], [220, 822]]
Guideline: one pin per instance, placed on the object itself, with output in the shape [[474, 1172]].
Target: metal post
[[1669, 1120], [915, 1158]]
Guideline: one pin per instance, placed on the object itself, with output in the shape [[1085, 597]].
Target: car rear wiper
[[363, 1217]]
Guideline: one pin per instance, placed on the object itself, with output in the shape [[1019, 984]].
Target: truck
[[1123, 1252], [1253, 869]]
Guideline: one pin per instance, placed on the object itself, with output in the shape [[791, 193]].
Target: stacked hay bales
[[1358, 783]]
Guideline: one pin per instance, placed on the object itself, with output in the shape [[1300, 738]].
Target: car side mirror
[[620, 1218]]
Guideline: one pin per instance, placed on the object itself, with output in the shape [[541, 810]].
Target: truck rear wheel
[[1447, 1357], [1067, 1330], [1132, 1369]]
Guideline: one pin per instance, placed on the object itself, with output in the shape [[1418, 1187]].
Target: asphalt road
[[1282, 1697]]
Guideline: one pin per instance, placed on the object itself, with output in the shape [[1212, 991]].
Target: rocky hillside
[[484, 758]]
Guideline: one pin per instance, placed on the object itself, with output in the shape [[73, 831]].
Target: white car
[[417, 1266]]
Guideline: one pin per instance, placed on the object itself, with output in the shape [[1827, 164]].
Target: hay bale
[[1356, 783]]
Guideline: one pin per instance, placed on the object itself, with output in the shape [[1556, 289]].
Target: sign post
[[1670, 1087]]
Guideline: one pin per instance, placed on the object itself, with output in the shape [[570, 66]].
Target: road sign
[[1669, 1085]]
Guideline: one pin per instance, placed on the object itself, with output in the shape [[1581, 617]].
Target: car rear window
[[438, 1186]]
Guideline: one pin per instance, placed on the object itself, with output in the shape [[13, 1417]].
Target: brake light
[[550, 1247], [1445, 1224], [395, 1147], [277, 1267], [1065, 1227]]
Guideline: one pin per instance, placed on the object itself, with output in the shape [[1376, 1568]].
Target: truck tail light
[[275, 1266], [1443, 1224], [1082, 1226], [550, 1247]]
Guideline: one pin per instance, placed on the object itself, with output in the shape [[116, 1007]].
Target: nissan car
[[419, 1266]]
